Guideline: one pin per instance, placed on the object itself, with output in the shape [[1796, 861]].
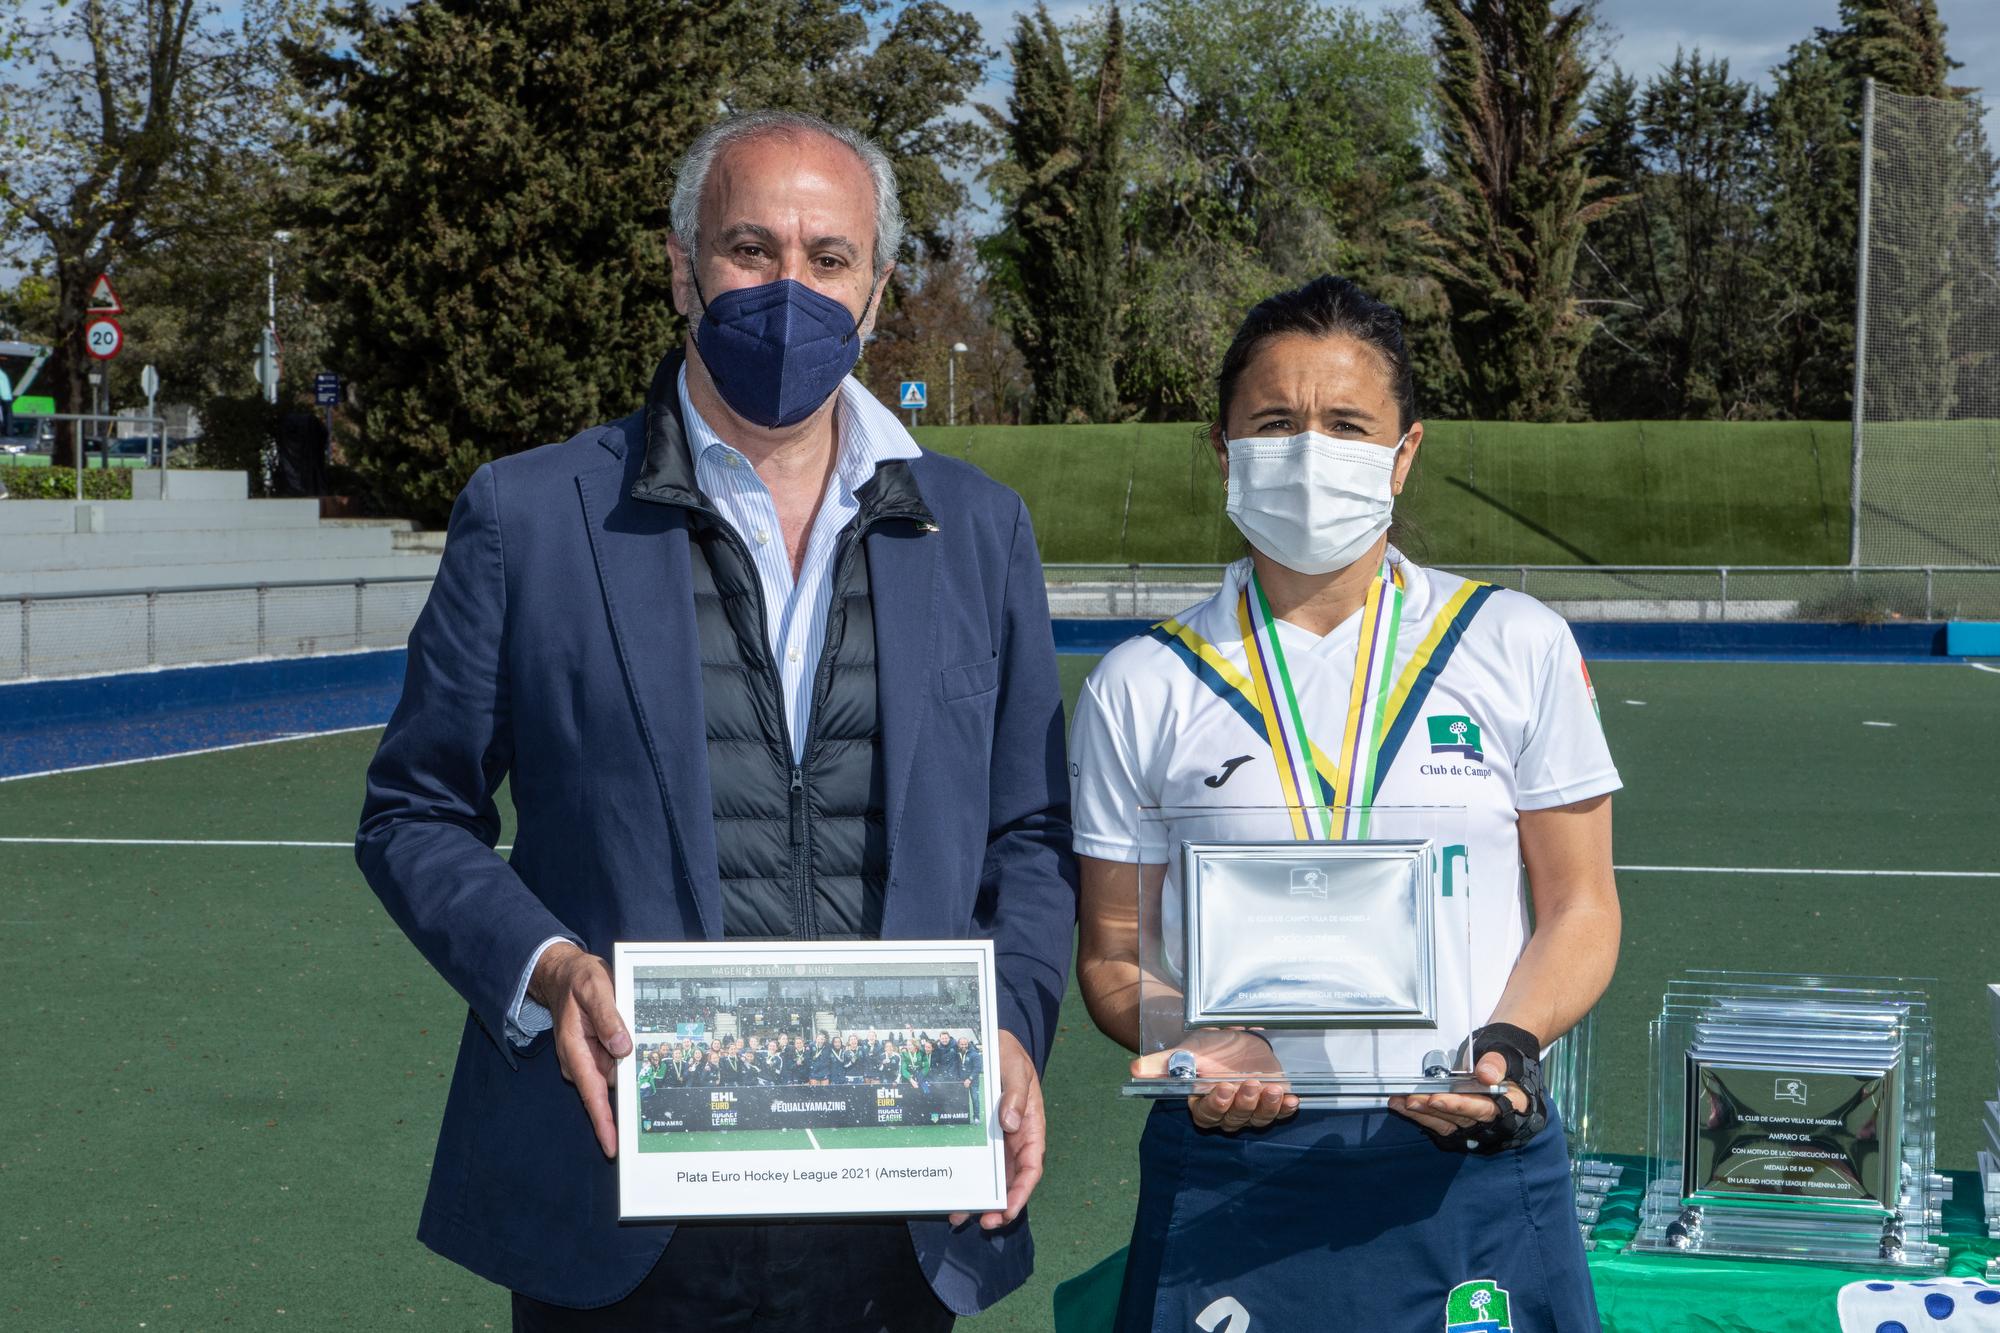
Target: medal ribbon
[[1310, 794]]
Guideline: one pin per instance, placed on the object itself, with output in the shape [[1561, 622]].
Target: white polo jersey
[[1492, 712]]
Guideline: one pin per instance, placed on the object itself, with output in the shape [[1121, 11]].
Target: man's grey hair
[[691, 176]]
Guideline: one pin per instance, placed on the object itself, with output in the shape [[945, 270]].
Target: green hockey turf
[[224, 1066]]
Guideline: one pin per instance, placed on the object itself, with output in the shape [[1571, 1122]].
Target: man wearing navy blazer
[[757, 667]]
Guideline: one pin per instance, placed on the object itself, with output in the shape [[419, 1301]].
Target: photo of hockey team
[[829, 1055]]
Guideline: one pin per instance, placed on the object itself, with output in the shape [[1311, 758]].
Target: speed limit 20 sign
[[103, 338]]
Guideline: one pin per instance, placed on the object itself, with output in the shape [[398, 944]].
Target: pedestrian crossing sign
[[912, 395]]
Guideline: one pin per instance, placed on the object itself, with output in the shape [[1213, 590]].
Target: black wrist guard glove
[[1508, 1128]]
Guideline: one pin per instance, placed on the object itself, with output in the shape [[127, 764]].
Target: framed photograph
[[807, 1079]]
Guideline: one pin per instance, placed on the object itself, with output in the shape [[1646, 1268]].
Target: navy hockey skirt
[[1350, 1220]]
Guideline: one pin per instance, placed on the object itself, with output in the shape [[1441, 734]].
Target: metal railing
[[1607, 592], [81, 419], [89, 633]]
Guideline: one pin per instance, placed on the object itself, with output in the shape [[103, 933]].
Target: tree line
[[463, 203]]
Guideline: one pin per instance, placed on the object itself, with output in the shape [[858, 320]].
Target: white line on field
[[810, 1139], [1800, 870], [184, 754], [347, 846], [175, 842], [1981, 666]]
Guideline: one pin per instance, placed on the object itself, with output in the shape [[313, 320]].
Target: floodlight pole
[[1861, 319], [271, 326], [270, 367]]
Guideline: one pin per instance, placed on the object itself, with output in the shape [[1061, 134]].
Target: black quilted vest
[[802, 848]]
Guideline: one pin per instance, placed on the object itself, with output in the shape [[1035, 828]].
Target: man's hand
[[1446, 1112], [575, 987], [1025, 1127], [1246, 1103]]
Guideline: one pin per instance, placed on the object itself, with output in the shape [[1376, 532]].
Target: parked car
[[145, 446]]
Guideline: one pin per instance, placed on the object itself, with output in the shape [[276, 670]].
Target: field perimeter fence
[[97, 633], [1927, 378], [1608, 592]]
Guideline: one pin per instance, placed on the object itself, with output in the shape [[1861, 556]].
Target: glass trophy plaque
[[1309, 934], [1339, 965], [1793, 1117], [1989, 1155], [1566, 1078]]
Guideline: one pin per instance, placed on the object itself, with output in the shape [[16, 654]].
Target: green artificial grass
[[225, 1065]]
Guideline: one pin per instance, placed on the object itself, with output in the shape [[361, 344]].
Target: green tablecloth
[[1655, 1293]]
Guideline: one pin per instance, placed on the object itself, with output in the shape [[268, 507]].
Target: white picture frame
[[698, 1138]]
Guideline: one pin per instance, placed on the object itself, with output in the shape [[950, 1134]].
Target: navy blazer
[[558, 648]]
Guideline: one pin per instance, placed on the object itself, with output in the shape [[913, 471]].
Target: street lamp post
[[951, 383]]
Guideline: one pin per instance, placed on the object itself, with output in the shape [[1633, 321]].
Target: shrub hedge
[[59, 483]]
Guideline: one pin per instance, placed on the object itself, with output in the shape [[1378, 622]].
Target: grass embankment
[[1626, 492]]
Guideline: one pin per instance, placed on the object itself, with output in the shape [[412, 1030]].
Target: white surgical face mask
[[1311, 502]]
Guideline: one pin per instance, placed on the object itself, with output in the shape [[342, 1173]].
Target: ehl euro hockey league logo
[[1308, 882], [1477, 1307], [1454, 734]]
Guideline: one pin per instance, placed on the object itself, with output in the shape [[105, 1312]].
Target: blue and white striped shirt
[[867, 436]]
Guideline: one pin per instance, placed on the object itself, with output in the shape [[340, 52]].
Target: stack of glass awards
[[1330, 948], [1989, 1156], [1793, 1117], [1566, 1076]]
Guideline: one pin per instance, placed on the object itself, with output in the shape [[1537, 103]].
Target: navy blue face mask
[[777, 351]]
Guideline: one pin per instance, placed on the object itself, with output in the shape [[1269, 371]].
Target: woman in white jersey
[[1446, 1211]]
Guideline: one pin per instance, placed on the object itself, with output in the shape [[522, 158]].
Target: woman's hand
[[1445, 1113], [1241, 1103]]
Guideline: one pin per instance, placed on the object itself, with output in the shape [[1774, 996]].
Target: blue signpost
[[911, 398], [326, 392]]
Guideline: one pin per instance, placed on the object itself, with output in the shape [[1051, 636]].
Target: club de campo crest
[[1479, 1306], [1454, 733]]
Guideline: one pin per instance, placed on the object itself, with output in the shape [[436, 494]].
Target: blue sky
[[1752, 34], [1641, 36]]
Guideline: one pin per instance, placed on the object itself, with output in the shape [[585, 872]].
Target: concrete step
[[56, 582], [189, 484], [162, 550], [22, 518]]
